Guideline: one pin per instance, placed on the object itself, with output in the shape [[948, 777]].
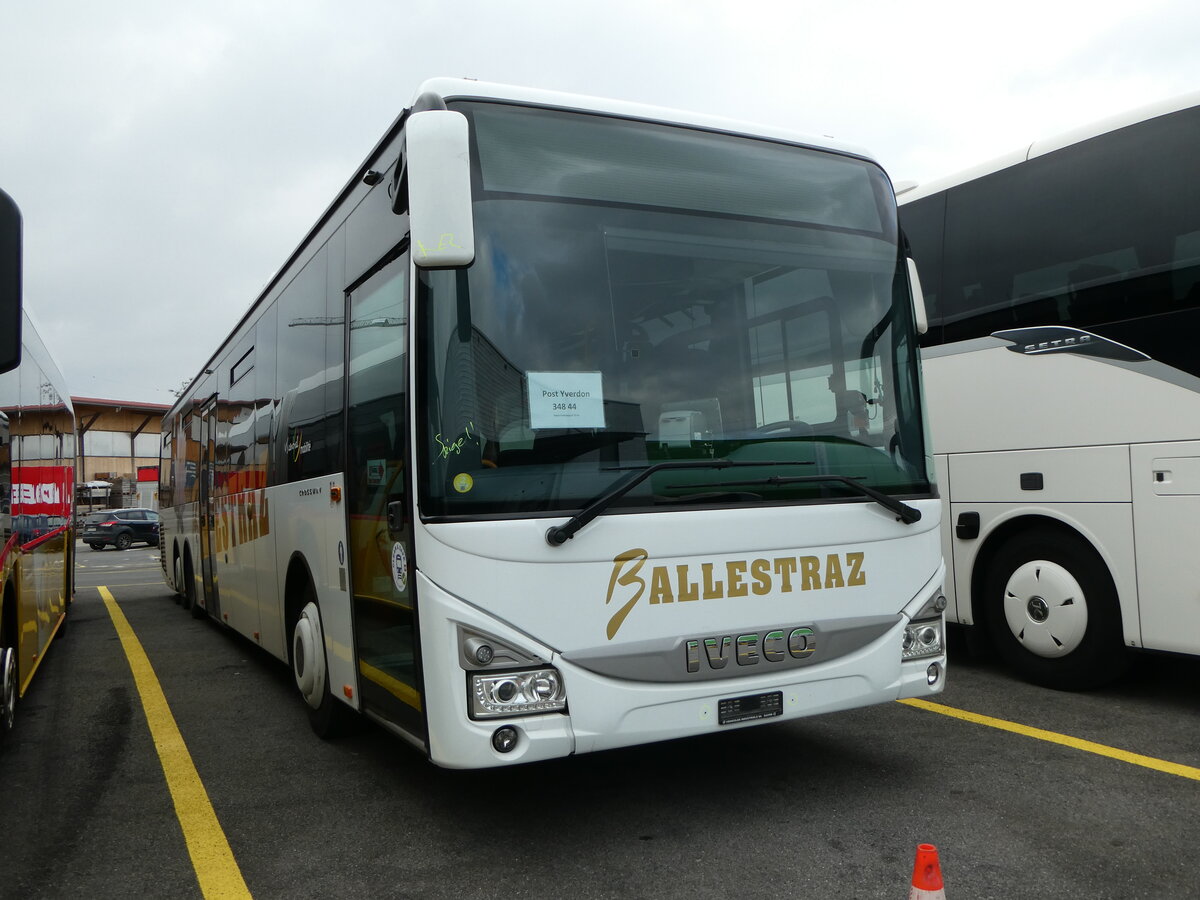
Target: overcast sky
[[168, 156]]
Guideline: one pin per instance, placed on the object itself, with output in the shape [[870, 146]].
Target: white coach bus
[[1063, 290], [571, 425]]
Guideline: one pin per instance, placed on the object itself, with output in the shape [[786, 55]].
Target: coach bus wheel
[[180, 588], [191, 601], [327, 716], [8, 689], [123, 541], [1052, 611]]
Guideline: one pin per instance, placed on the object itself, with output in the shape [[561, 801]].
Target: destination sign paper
[[566, 400]]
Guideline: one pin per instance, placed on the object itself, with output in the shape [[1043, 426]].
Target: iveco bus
[[573, 424]]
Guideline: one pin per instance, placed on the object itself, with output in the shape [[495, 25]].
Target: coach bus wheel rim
[[1046, 609], [1053, 612], [308, 656], [8, 687], [180, 590]]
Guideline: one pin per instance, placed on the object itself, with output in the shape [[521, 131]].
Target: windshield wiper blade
[[557, 535], [707, 496], [904, 513]]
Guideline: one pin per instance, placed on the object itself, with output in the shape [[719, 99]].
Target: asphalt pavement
[[832, 806]]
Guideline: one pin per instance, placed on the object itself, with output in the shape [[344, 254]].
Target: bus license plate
[[746, 709]]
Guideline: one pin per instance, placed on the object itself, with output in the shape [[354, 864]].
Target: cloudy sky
[[168, 157]]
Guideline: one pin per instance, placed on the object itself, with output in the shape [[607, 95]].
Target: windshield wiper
[[557, 535], [904, 513]]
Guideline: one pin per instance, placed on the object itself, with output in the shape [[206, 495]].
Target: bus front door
[[380, 509]]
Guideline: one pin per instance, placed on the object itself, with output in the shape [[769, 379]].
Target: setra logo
[[731, 579]]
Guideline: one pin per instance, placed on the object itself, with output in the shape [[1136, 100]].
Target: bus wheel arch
[[1049, 604]]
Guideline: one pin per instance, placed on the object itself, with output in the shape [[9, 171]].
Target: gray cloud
[[168, 157]]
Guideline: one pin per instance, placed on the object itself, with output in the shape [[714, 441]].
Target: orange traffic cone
[[927, 875]]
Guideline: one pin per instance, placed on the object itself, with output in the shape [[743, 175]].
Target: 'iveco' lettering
[[748, 649], [729, 580]]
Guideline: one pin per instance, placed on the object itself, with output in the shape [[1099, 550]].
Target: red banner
[[42, 490]]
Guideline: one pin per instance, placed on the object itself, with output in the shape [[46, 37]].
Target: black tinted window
[[308, 380], [1099, 232]]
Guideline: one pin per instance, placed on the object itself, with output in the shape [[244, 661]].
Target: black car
[[121, 527]]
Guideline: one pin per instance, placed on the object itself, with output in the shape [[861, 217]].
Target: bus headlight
[[516, 693], [922, 639]]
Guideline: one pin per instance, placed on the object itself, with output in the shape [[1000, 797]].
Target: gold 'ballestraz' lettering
[[733, 579], [625, 578]]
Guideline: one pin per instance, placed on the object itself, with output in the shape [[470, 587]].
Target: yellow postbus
[[37, 478]]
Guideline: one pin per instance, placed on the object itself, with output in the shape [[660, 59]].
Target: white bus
[[37, 480], [1063, 290], [571, 425]]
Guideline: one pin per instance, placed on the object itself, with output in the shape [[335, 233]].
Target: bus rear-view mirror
[[439, 189], [918, 296], [10, 283]]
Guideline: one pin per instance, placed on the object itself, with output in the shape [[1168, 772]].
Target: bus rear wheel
[[328, 716], [1052, 612], [191, 601], [180, 588]]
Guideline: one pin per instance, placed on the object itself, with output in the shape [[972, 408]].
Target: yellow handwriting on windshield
[[455, 447]]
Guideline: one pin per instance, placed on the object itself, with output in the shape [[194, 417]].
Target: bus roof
[[1049, 145], [470, 89]]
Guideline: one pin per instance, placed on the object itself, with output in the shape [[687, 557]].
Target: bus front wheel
[[8, 690], [327, 715], [1052, 611]]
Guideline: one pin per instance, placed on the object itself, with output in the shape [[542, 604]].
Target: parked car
[[121, 527]]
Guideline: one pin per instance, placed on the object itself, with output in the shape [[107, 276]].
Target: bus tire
[[8, 690], [191, 601], [328, 716], [1052, 611]]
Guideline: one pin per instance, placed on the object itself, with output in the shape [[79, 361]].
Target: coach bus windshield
[[644, 293]]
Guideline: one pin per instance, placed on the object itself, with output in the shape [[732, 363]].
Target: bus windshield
[[644, 293]]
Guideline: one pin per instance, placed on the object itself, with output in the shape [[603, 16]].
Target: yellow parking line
[[216, 869], [1136, 759], [143, 584]]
